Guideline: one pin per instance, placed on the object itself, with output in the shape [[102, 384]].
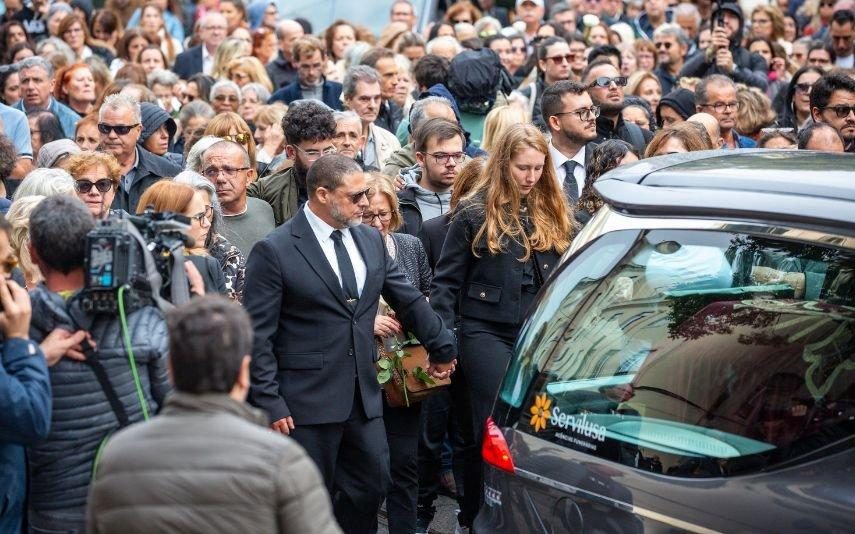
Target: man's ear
[[290, 152], [34, 255], [420, 159], [243, 374], [816, 114], [553, 123]]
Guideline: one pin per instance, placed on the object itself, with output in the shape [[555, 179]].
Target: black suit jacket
[[189, 62], [310, 347]]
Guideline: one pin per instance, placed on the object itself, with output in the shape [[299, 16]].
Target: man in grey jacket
[[208, 462]]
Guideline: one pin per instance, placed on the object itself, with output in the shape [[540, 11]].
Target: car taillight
[[495, 450]]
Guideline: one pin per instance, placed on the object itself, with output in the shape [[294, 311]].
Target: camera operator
[[25, 400], [98, 386], [725, 55]]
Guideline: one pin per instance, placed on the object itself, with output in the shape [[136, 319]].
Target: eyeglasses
[[826, 4], [443, 158], [103, 185], [804, 87], [664, 44], [605, 81], [315, 154], [212, 173], [241, 138], [383, 216], [120, 129], [568, 58], [186, 97], [584, 114], [204, 218], [720, 107], [356, 197], [223, 98], [517, 49], [841, 111]]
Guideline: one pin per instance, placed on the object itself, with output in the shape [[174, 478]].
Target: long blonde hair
[[546, 204]]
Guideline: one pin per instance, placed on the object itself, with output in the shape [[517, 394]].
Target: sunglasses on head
[[241, 138], [605, 81], [102, 185], [120, 129]]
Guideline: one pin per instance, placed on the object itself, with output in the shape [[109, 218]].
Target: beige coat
[[385, 142]]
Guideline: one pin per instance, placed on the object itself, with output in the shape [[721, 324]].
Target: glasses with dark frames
[[605, 81], [120, 129], [584, 114], [103, 185]]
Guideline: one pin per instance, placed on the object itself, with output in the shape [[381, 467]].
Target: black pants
[[485, 350], [353, 457], [402, 432]]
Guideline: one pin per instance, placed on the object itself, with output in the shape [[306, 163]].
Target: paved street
[[443, 522]]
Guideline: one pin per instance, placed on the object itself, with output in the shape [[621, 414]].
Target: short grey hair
[[701, 96], [353, 55], [339, 116], [418, 113], [359, 73], [445, 39], [120, 101], [196, 108], [60, 46], [260, 91], [558, 8], [685, 8], [162, 77], [36, 61], [194, 156], [45, 182], [226, 84], [206, 18], [671, 30]]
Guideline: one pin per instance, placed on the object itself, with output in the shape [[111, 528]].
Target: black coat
[[433, 236], [310, 346], [749, 68], [487, 287], [330, 94], [189, 62], [281, 72], [150, 170]]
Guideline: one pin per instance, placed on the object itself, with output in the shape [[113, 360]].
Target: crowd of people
[[442, 170]]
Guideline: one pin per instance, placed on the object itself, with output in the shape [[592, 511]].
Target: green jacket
[[403, 158], [281, 191]]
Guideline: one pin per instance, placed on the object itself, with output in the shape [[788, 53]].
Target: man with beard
[[671, 48], [313, 287], [554, 63], [309, 129], [605, 86], [572, 120], [246, 221], [716, 95], [832, 101]]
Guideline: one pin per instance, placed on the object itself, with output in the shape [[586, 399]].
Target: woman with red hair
[[75, 87]]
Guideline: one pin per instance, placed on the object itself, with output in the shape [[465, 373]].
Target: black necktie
[[345, 267], [571, 189]]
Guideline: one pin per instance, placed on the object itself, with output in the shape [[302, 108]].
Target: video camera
[[144, 254]]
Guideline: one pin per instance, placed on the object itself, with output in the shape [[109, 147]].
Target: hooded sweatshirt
[[418, 204]]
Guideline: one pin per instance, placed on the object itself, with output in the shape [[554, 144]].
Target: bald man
[[282, 70], [710, 123], [212, 31], [820, 136]]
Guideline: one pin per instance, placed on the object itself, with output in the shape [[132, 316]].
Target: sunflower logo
[[540, 412]]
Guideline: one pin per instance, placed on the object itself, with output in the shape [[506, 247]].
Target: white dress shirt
[[323, 233], [579, 172], [207, 60]]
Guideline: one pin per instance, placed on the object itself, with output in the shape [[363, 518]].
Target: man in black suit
[[571, 118], [313, 286], [212, 30]]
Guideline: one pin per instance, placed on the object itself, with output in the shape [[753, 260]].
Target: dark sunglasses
[[120, 129], [804, 87], [84, 186], [605, 81], [356, 197], [568, 58], [665, 44], [842, 111]]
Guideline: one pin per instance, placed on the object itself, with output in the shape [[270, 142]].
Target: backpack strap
[[97, 367]]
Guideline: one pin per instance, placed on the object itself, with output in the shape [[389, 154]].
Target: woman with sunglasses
[[504, 240], [794, 108], [96, 177], [172, 197]]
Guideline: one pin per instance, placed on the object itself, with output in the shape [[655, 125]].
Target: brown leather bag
[[416, 389]]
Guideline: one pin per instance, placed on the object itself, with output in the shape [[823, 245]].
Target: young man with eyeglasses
[[725, 55], [310, 56], [119, 123], [246, 219], [439, 147], [554, 61], [672, 45], [572, 119], [716, 95], [832, 101], [605, 86], [309, 129]]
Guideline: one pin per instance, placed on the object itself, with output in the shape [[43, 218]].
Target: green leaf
[[401, 354], [384, 363], [384, 376], [420, 373]]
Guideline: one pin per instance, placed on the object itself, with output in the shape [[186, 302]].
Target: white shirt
[[579, 172], [207, 60], [845, 62], [323, 233]]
